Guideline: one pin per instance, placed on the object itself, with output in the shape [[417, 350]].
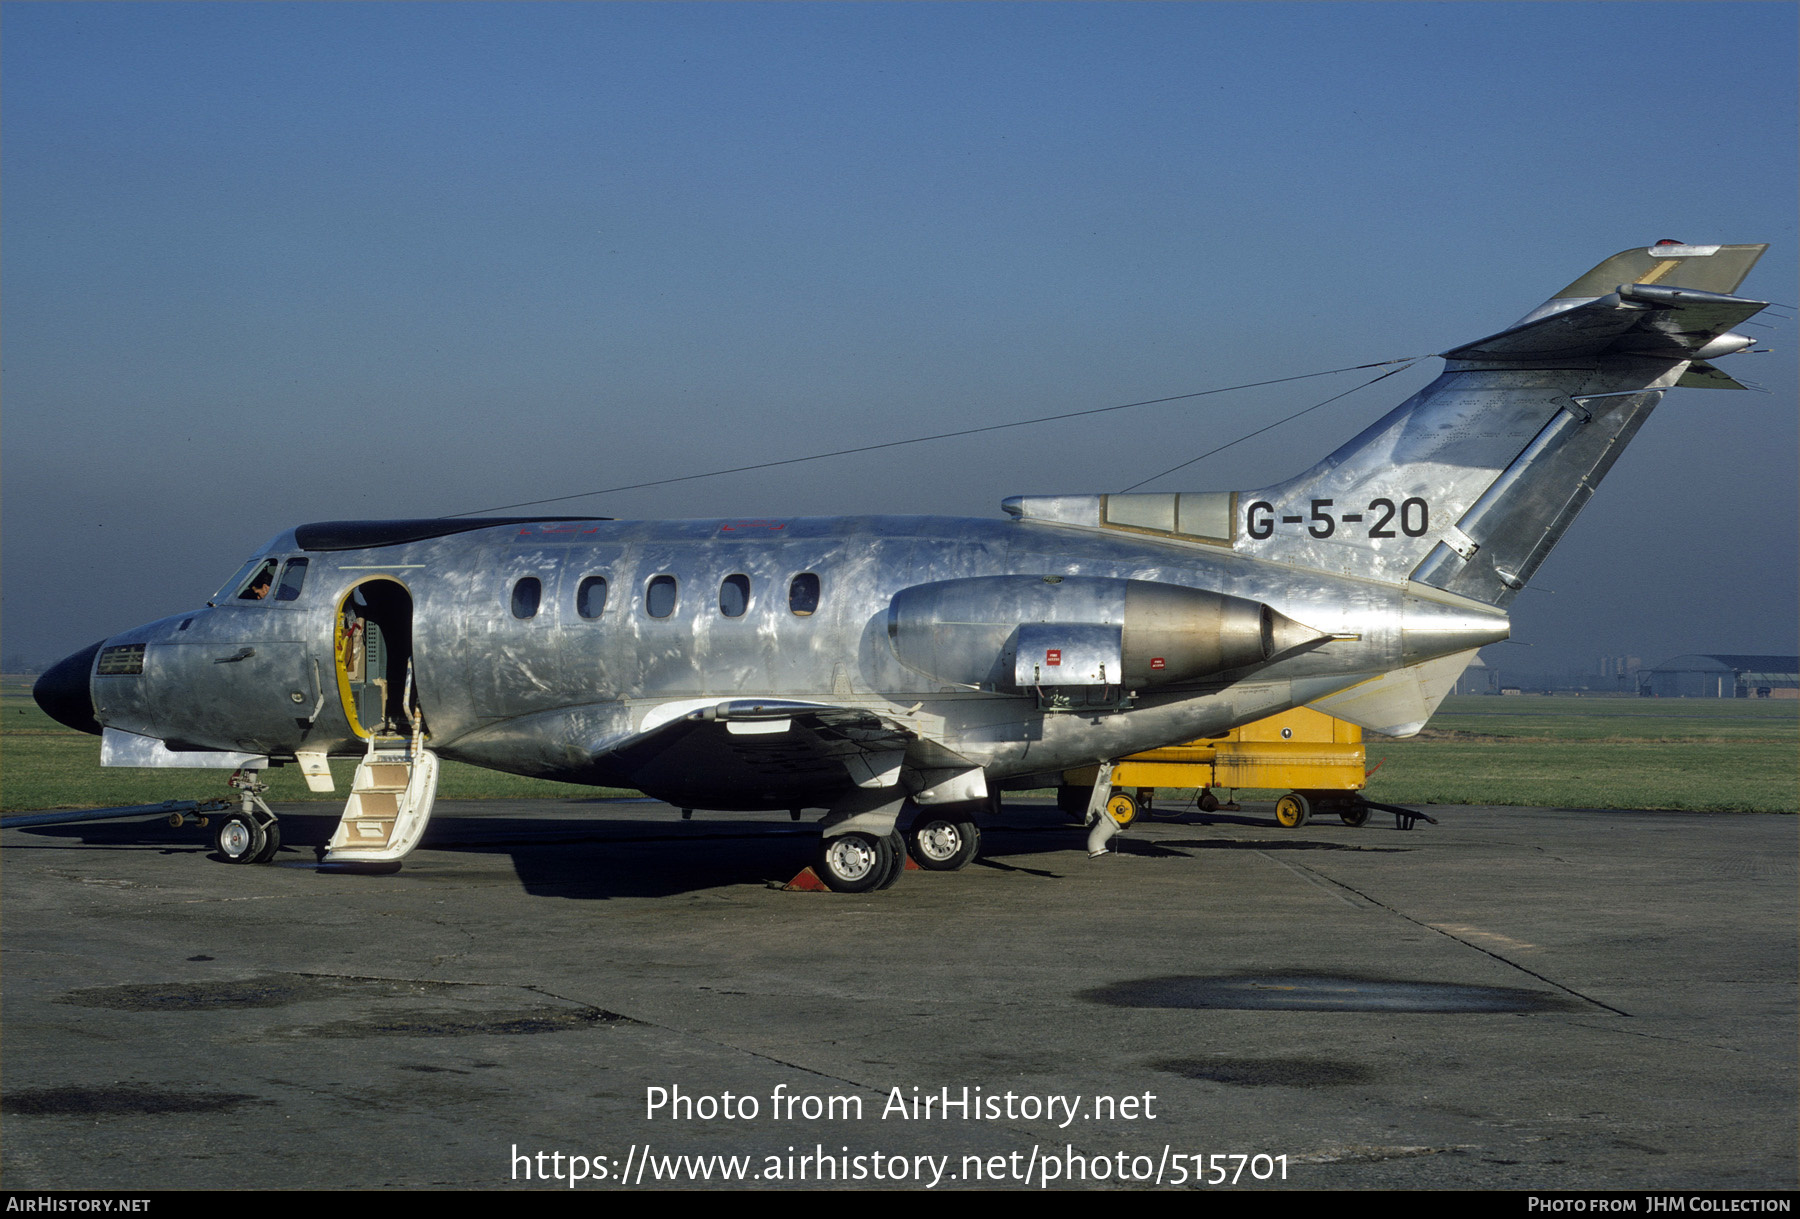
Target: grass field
[[1725, 755], [1713, 755], [45, 765]]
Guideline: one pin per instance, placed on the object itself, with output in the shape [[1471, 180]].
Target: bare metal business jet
[[870, 666]]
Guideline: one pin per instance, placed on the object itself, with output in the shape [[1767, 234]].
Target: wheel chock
[[806, 881]]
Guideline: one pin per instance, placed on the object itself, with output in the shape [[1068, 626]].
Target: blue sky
[[273, 263]]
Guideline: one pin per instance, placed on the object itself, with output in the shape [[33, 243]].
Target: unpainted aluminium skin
[[856, 664]]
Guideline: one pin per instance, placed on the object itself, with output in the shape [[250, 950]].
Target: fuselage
[[533, 645]]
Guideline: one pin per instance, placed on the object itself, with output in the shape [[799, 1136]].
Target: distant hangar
[[1722, 675]]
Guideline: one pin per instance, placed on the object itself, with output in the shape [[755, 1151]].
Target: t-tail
[[1467, 485], [1459, 493]]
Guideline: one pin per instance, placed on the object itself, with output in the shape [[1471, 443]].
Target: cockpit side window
[[293, 577], [256, 588]]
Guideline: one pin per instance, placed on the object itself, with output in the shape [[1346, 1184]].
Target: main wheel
[[896, 846], [1123, 809], [271, 843], [855, 862], [944, 843], [239, 839], [1354, 814], [1292, 810]]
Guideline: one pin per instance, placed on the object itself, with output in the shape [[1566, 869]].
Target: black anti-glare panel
[[362, 535]]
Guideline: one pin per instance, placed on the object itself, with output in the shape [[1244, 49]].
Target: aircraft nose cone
[[63, 691]]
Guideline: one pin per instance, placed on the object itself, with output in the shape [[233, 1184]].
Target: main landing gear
[[942, 838], [859, 863], [945, 839]]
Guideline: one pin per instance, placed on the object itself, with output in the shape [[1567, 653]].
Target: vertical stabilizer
[[1468, 484]]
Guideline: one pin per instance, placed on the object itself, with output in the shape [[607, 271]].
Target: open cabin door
[[396, 781], [374, 657]]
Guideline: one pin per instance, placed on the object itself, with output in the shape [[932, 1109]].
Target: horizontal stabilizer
[[1633, 320]]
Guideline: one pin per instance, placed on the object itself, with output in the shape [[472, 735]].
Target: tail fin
[[1468, 484]]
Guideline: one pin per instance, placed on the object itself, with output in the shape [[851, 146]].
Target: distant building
[[1477, 679], [1724, 675]]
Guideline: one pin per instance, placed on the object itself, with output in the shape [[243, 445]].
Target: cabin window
[[803, 594], [659, 598], [257, 586], [525, 597], [734, 596], [293, 576], [590, 598]]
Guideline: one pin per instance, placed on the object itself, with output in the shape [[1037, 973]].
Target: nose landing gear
[[252, 834]]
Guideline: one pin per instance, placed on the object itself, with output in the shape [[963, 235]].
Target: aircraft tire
[[944, 843], [897, 845], [1122, 808], [1354, 815], [1073, 799], [238, 839], [854, 862], [1292, 810], [271, 844]]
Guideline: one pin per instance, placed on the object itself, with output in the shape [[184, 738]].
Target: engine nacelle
[[1016, 633]]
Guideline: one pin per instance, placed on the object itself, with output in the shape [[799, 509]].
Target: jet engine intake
[[1016, 633]]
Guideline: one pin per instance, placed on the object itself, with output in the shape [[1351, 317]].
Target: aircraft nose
[[63, 691]]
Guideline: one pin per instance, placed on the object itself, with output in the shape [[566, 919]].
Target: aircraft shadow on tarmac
[[593, 858]]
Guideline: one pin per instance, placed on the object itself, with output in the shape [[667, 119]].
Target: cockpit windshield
[[230, 588]]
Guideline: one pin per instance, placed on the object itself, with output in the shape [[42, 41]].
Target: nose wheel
[[253, 834], [239, 839]]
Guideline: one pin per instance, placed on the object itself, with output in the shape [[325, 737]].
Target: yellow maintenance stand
[[1319, 759]]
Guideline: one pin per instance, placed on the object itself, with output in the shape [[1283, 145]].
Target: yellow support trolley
[[1319, 759]]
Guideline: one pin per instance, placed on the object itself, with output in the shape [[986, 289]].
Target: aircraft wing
[[787, 751]]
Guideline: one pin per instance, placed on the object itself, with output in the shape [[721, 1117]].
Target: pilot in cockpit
[[258, 588]]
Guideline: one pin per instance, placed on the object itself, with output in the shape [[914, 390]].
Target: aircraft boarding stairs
[[390, 799]]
